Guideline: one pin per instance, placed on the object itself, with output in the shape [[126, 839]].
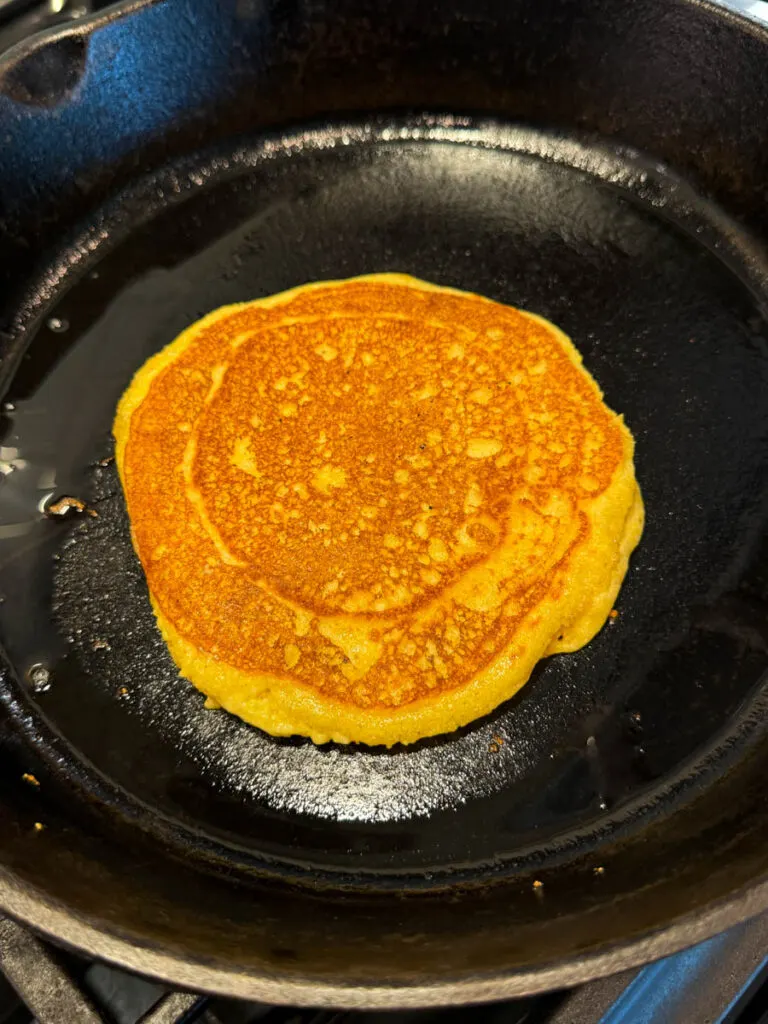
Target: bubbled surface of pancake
[[366, 508]]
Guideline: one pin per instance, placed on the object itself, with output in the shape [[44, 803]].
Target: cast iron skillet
[[602, 164]]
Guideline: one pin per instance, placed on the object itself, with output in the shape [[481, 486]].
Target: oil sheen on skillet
[[670, 331]]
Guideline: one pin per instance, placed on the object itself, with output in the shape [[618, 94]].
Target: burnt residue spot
[[68, 506], [634, 725], [284, 954]]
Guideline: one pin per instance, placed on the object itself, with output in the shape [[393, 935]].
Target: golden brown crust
[[366, 508]]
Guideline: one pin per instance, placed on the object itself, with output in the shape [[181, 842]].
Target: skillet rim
[[27, 905]]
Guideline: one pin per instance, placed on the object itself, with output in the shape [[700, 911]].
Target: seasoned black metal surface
[[629, 776], [662, 304]]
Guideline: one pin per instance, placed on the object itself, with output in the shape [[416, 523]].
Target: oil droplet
[[57, 325], [30, 779], [39, 678], [600, 870], [38, 826], [124, 693]]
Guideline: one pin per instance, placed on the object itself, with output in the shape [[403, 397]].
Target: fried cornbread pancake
[[367, 508]]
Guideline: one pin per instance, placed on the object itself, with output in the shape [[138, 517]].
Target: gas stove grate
[[720, 981]]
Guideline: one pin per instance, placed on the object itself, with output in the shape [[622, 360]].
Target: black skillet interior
[[668, 327], [665, 296]]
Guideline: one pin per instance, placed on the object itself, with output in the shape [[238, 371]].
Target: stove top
[[721, 981]]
